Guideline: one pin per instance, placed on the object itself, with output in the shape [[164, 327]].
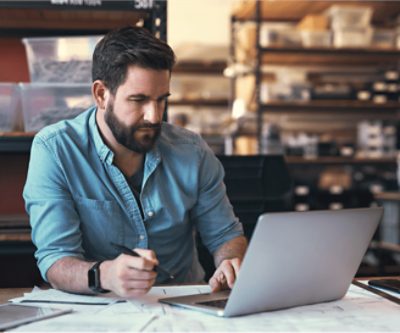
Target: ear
[[100, 94]]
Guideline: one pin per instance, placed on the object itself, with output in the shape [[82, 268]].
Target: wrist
[[94, 278], [104, 280]]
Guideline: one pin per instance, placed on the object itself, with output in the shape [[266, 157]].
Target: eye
[[138, 100]]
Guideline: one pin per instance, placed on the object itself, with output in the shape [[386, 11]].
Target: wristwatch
[[94, 279]]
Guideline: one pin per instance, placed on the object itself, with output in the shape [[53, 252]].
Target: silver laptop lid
[[301, 258]]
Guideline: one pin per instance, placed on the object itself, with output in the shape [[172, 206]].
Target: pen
[[130, 252]]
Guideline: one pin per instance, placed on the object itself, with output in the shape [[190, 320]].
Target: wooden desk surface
[[8, 293]]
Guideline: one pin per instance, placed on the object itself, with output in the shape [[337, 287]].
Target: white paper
[[53, 297], [83, 322], [359, 310]]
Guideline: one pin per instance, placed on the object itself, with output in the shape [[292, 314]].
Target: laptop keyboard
[[220, 303]]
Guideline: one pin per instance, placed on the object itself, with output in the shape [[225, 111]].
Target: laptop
[[293, 259]]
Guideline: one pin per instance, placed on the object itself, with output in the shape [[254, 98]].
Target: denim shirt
[[79, 201]]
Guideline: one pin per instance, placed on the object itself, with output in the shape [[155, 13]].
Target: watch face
[[94, 279]]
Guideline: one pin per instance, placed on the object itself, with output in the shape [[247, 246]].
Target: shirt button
[[150, 213], [141, 237]]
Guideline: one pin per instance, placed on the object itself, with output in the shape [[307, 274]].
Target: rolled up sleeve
[[53, 217]]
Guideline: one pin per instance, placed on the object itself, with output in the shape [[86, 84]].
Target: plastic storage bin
[[45, 104], [279, 34], [60, 59], [352, 37], [349, 16], [316, 38], [8, 106]]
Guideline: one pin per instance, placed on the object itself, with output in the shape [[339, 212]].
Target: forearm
[[70, 274], [235, 248]]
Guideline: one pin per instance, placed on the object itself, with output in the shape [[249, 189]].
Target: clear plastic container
[[8, 106], [45, 104], [316, 38], [383, 38], [270, 92], [60, 59], [343, 16], [352, 37], [279, 34]]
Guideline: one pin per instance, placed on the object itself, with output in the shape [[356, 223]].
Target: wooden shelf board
[[329, 56], [15, 236], [331, 105], [294, 10], [67, 19], [200, 67], [339, 160], [201, 102], [388, 196]]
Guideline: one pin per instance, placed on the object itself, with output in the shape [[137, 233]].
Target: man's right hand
[[129, 276]]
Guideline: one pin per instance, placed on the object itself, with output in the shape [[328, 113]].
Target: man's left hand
[[225, 275]]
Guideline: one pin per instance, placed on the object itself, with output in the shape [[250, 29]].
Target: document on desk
[[129, 315], [77, 302], [359, 310]]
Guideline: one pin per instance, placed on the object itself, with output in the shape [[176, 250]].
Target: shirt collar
[[106, 155]]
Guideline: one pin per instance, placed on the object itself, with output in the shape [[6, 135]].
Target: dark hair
[[128, 46]]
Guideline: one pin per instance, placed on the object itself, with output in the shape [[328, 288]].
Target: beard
[[132, 137]]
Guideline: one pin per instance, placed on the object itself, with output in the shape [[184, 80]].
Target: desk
[[358, 311], [8, 293]]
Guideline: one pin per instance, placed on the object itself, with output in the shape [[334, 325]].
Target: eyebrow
[[143, 96]]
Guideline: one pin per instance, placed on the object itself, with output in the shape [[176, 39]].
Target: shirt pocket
[[101, 223]]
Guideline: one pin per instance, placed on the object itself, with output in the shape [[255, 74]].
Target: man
[[118, 174]]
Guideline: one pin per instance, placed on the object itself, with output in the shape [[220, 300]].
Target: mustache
[[148, 125]]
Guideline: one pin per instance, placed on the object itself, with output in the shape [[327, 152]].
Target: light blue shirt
[[79, 201]]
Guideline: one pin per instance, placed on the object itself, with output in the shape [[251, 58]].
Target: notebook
[[294, 259]]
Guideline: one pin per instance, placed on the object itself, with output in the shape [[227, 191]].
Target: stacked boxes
[[60, 72]]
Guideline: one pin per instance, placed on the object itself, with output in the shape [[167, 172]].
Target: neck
[[128, 161]]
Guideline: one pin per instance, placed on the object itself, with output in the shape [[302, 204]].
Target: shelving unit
[[290, 11], [199, 69], [320, 182], [328, 56], [20, 19], [197, 99]]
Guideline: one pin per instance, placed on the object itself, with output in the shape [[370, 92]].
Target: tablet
[[12, 315]]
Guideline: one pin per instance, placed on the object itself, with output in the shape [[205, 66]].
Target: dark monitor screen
[[257, 184]]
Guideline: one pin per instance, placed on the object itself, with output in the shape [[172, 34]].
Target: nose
[[153, 112]]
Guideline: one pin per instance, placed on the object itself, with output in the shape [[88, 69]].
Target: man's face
[[135, 113]]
